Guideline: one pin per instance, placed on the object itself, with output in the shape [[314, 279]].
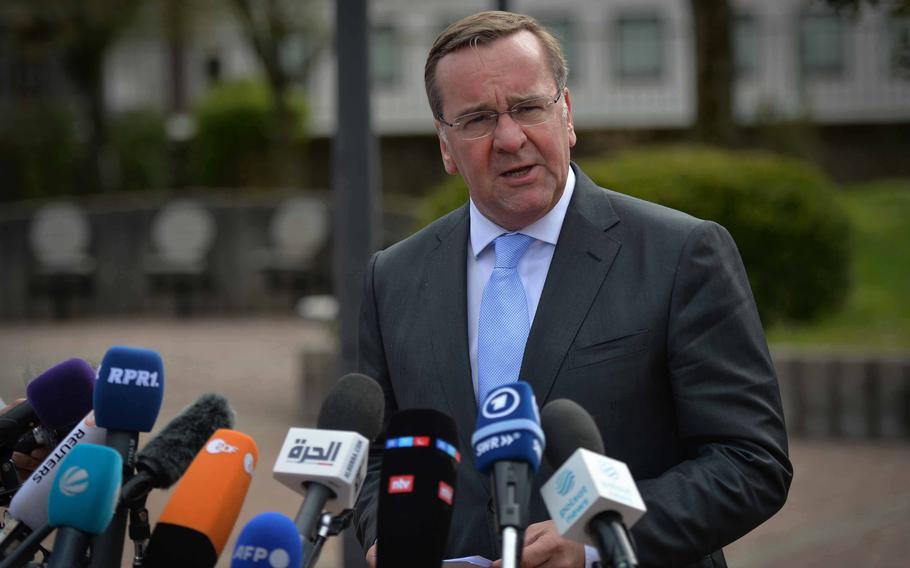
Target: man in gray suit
[[641, 314]]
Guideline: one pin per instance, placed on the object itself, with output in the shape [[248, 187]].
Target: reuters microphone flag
[[208, 499]]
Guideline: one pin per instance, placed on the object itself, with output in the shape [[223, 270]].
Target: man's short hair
[[484, 28]]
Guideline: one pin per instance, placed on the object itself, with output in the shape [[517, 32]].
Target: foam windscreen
[[269, 539], [417, 488], [129, 389], [85, 492], [355, 404], [62, 395], [568, 427]]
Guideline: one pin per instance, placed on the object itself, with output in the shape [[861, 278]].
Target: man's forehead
[[513, 66]]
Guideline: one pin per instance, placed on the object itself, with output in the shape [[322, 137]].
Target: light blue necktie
[[503, 327]]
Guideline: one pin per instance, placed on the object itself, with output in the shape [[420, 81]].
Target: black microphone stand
[[613, 541], [328, 526], [512, 494]]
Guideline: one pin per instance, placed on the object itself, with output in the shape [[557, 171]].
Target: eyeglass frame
[[492, 113]]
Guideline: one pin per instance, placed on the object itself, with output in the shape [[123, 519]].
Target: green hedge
[[235, 132], [791, 231], [139, 138], [38, 150]]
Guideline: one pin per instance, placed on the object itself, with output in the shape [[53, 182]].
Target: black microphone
[[167, 456], [417, 488], [328, 463], [590, 496]]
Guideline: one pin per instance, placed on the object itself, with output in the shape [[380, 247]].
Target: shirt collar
[[546, 229]]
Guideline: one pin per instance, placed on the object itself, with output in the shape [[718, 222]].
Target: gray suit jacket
[[647, 320]]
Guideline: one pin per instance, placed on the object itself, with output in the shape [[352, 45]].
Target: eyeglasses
[[480, 124]]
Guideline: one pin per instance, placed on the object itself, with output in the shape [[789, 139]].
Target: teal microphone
[[82, 501]]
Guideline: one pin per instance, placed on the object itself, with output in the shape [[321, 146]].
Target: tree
[[713, 72], [80, 32], [274, 29]]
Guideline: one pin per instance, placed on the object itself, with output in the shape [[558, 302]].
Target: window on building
[[822, 45], [638, 48], [385, 56], [899, 46], [745, 45], [564, 30]]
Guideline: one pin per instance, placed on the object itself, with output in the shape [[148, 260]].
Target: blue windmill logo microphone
[[565, 482], [73, 481]]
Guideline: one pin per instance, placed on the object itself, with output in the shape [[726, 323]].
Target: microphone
[[127, 398], [268, 540], [508, 444], [416, 488], [164, 459], [591, 498], [57, 398], [197, 519], [82, 500], [328, 464], [29, 505]]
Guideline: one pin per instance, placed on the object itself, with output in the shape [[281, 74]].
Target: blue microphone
[[269, 539], [128, 394], [82, 500], [508, 445]]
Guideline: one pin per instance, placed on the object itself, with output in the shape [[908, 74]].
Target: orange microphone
[[199, 516]]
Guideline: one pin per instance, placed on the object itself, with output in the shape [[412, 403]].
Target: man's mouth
[[517, 172]]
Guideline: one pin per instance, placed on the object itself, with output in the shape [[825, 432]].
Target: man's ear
[[447, 161], [567, 115]]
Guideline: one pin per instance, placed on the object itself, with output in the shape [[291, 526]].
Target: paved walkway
[[849, 504]]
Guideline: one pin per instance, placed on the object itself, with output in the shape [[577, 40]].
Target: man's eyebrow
[[512, 101]]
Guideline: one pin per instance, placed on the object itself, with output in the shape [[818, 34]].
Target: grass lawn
[[877, 312]]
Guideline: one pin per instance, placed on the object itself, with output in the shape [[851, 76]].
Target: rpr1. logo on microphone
[[139, 377], [501, 402]]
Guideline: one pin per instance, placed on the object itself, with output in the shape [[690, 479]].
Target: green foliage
[[141, 144], [235, 143], [877, 311], [447, 196], [38, 150], [784, 214]]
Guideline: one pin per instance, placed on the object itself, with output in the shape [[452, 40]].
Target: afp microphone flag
[[269, 540]]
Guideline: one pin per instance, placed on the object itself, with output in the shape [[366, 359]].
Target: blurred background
[[170, 177]]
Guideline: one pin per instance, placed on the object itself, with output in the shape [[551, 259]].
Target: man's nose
[[508, 135]]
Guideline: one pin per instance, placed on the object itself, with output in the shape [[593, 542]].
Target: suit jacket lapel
[[583, 256], [447, 290]]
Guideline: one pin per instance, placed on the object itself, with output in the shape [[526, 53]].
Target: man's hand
[[544, 548], [26, 463], [371, 556]]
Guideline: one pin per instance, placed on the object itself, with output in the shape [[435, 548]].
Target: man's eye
[[475, 120], [528, 109]]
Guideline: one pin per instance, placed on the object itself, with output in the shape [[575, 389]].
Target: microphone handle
[[15, 422], [310, 512], [613, 540], [107, 547], [511, 482], [69, 548], [26, 550], [15, 536]]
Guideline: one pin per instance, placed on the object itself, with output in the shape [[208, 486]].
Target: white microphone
[[591, 498], [328, 464]]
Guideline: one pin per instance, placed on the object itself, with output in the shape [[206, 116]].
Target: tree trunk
[[712, 24]]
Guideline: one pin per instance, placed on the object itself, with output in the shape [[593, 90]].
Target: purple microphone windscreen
[[568, 427], [417, 488], [62, 395], [129, 389], [355, 404]]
